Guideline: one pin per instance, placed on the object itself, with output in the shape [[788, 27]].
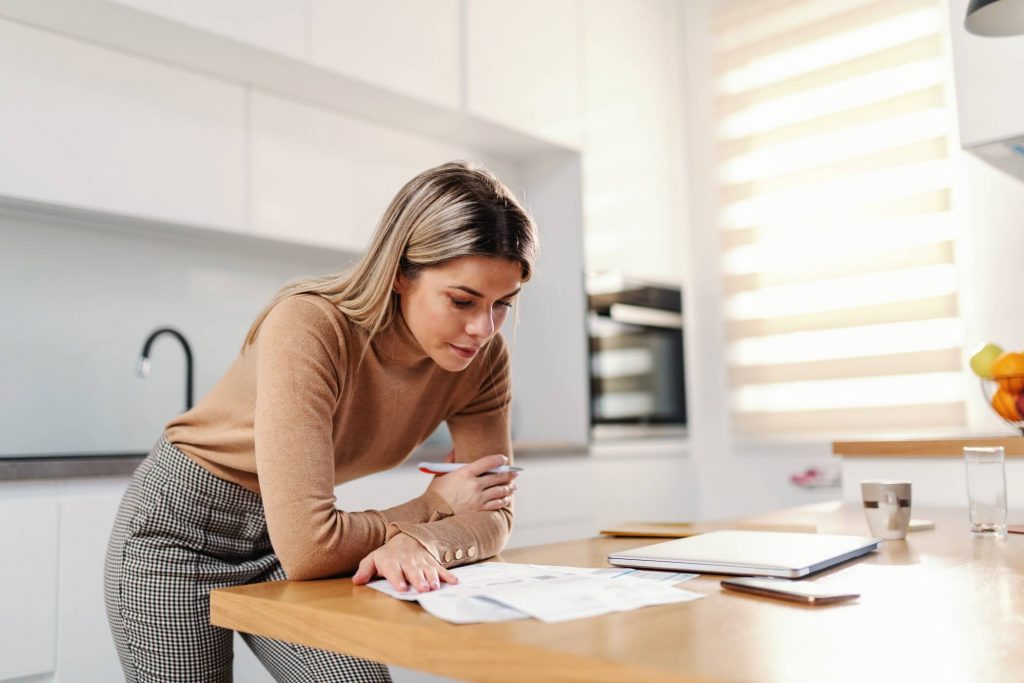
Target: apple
[[1020, 403], [983, 358]]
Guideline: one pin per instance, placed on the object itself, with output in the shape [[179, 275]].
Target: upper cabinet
[[990, 99], [87, 127], [322, 178], [408, 46], [275, 25], [523, 66], [275, 117], [632, 120]]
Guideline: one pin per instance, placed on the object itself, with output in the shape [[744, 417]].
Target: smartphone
[[805, 592]]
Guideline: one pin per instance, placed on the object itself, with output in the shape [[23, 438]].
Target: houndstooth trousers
[[179, 533]]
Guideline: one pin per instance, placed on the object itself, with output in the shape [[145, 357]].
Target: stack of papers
[[500, 591]]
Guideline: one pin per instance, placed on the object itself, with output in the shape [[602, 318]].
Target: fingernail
[[437, 584], [515, 487], [402, 587], [505, 458]]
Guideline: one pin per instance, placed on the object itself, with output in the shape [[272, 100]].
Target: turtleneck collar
[[397, 343]]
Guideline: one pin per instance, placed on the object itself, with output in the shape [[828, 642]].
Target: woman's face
[[454, 308]]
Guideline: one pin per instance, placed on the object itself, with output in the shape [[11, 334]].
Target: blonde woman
[[339, 377]]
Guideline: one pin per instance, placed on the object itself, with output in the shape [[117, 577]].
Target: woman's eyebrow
[[475, 293]]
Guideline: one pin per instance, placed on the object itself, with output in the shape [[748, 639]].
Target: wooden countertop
[[941, 605], [925, 448]]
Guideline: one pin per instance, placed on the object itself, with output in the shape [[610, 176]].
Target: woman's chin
[[451, 360]]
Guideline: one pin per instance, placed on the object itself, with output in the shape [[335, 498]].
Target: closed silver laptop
[[748, 553]]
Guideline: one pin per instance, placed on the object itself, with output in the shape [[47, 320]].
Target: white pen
[[446, 467]]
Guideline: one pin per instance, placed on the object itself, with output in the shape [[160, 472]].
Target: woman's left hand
[[404, 562]]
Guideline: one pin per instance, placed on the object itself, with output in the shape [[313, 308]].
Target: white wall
[[989, 207], [80, 302]]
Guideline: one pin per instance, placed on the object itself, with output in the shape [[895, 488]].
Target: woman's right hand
[[470, 488]]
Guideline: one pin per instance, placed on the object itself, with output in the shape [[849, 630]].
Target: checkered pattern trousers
[[179, 533]]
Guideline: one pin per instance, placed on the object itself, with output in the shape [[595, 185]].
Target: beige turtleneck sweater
[[304, 408]]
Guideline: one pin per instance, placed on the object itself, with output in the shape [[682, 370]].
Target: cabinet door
[[84, 126], [523, 66], [323, 178], [632, 156], [276, 25], [28, 578], [410, 46], [87, 515]]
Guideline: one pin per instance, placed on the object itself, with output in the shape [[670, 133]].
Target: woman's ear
[[400, 283]]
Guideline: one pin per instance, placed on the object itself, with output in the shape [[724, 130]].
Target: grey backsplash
[[77, 303]]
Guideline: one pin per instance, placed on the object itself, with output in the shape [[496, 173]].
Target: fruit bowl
[[1005, 395]]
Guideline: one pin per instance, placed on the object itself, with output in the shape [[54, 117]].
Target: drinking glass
[[986, 490]]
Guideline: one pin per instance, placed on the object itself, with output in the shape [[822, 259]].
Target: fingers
[[498, 492], [481, 465], [446, 576], [497, 503], [367, 570], [488, 480], [432, 579]]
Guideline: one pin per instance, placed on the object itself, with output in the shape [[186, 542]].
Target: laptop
[[748, 553]]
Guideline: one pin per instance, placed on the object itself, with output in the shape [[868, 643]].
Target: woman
[[339, 377]]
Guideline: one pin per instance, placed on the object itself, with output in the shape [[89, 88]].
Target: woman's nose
[[481, 325]]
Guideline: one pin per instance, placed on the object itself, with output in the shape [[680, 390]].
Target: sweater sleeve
[[298, 385], [479, 428]]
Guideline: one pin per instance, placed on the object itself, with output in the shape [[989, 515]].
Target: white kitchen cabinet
[[632, 120], [320, 177], [28, 578], [409, 46], [523, 66], [87, 510], [276, 25], [89, 127]]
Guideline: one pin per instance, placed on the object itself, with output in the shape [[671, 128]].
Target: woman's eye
[[506, 304], [460, 303]]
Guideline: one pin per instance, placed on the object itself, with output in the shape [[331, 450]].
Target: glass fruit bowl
[[1005, 395]]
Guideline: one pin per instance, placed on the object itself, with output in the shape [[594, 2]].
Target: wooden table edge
[[470, 659]]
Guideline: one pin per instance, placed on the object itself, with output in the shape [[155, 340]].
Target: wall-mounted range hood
[[989, 92]]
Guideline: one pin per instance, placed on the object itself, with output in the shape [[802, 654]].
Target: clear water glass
[[986, 490]]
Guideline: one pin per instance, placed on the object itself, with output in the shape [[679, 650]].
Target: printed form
[[501, 591]]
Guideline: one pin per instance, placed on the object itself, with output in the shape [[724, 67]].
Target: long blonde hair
[[456, 209]]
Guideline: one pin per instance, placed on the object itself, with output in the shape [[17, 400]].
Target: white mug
[[887, 507]]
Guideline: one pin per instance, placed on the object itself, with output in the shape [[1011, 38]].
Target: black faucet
[[143, 367]]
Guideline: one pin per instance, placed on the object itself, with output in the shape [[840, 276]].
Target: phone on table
[[805, 592]]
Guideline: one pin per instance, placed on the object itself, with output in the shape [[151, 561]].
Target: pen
[[446, 467]]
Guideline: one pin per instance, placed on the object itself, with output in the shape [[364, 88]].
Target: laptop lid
[[748, 553]]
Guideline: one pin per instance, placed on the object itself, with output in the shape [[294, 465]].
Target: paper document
[[500, 591]]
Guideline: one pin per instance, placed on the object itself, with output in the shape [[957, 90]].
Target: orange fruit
[[1005, 404], [1008, 370]]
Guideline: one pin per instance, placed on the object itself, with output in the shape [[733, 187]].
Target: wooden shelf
[[925, 448]]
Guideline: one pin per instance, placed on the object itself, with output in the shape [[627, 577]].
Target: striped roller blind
[[833, 175]]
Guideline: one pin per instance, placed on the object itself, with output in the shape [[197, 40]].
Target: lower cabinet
[[28, 578], [86, 651]]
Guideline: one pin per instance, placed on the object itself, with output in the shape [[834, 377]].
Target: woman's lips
[[463, 351]]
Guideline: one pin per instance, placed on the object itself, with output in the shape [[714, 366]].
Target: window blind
[[833, 174]]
